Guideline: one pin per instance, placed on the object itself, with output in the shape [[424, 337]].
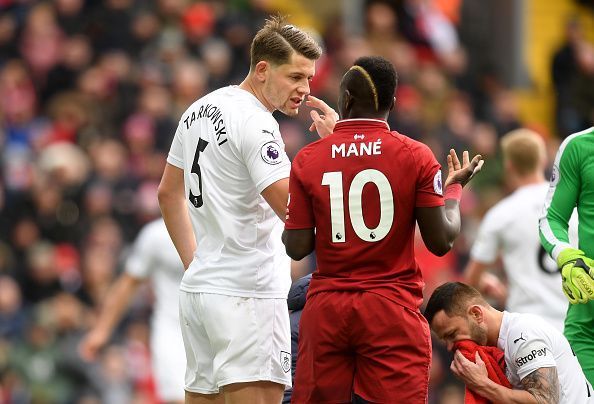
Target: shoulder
[[308, 151], [574, 143], [501, 212]]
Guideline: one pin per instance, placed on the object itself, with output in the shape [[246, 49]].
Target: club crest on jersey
[[437, 185], [271, 153], [285, 361]]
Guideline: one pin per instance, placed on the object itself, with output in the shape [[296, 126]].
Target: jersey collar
[[359, 122]]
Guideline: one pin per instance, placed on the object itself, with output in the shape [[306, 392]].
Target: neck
[[534, 178], [494, 319], [357, 114], [250, 85]]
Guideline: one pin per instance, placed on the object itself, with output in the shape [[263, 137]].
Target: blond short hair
[[277, 40], [524, 149]]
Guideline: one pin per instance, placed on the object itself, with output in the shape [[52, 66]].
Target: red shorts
[[361, 343]]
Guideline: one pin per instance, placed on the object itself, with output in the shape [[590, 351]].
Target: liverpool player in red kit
[[355, 197]]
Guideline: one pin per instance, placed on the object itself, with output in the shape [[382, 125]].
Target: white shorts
[[169, 360], [231, 339]]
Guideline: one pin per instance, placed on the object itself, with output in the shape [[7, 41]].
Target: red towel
[[494, 361]]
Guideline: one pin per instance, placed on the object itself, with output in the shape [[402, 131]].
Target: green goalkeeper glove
[[576, 273]]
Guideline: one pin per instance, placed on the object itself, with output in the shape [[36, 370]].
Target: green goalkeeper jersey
[[572, 184]]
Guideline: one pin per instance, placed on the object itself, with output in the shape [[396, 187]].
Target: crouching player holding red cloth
[[355, 197]]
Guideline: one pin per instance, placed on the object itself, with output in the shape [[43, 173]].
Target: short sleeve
[[531, 352], [486, 245], [176, 154], [140, 261], [429, 181], [263, 151], [300, 212]]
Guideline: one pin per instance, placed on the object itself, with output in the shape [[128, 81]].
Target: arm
[[111, 312], [486, 283], [440, 225], [541, 386], [560, 201], [276, 195], [299, 243], [174, 208]]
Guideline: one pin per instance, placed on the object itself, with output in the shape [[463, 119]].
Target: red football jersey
[[358, 188]]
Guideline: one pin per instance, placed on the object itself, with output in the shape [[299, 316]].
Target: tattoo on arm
[[543, 384]]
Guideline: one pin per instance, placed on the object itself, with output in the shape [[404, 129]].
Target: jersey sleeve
[[300, 211], [176, 154], [263, 151], [429, 182], [140, 261], [561, 199], [487, 242], [529, 353]]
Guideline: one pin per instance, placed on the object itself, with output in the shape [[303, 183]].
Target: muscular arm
[[174, 208], [299, 243], [276, 194], [439, 226], [543, 384]]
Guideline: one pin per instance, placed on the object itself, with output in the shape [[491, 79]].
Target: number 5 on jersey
[[196, 200], [337, 216]]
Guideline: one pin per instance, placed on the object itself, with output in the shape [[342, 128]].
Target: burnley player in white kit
[[223, 196], [153, 258], [540, 364], [510, 230]]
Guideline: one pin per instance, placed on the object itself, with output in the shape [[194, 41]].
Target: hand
[[93, 341], [474, 375], [323, 123], [462, 173], [576, 275], [491, 285]]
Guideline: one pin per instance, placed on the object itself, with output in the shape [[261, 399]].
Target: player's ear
[[348, 100], [393, 103], [261, 70], [476, 312]]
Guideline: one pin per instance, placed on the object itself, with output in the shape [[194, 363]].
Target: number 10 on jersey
[[355, 201]]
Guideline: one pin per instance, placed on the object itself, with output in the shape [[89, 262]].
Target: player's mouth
[[296, 102]]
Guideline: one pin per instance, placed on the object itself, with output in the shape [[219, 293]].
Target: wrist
[[453, 191], [569, 255]]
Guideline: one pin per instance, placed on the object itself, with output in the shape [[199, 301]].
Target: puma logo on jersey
[[268, 132], [521, 338]]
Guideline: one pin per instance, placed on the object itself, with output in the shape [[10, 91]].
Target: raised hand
[[323, 121], [462, 173]]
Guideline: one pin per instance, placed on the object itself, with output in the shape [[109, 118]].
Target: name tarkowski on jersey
[[213, 113]]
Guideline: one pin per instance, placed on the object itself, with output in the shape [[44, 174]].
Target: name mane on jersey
[[214, 114], [357, 149]]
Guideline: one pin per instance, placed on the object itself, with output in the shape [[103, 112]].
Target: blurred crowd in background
[[91, 92]]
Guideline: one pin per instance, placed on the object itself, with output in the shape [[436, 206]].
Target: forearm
[[499, 394], [117, 300], [177, 220], [452, 222]]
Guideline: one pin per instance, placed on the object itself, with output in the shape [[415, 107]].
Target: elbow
[[296, 254], [163, 195], [440, 249]]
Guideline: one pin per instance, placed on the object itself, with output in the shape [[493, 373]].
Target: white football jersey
[[529, 343], [230, 148], [510, 228], [154, 256]]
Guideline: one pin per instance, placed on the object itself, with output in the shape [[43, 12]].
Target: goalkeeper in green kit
[[572, 184]]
